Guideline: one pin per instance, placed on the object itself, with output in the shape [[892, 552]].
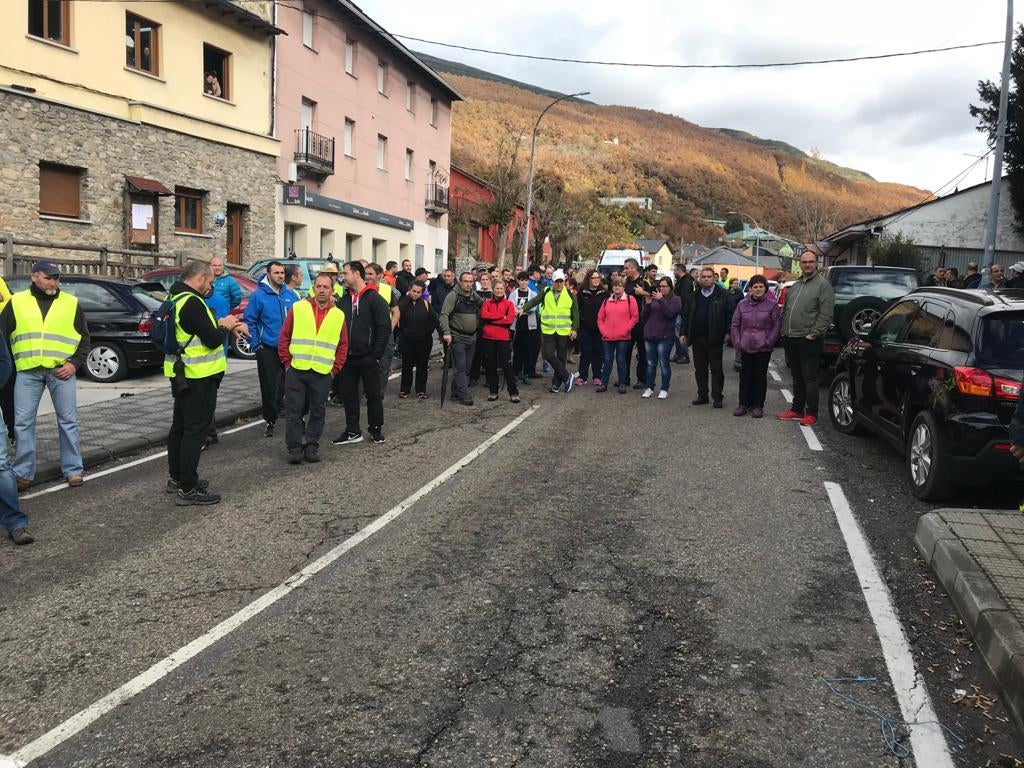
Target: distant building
[[690, 251], [646, 203], [658, 253], [476, 241], [738, 265]]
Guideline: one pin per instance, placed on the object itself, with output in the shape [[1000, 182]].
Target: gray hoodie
[[809, 307]]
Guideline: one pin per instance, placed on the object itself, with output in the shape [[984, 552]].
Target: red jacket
[[616, 318], [284, 341], [498, 315]]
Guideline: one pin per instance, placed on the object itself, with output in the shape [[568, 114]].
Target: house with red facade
[[477, 241]]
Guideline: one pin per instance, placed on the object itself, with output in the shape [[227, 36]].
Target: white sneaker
[[662, 395], [647, 392]]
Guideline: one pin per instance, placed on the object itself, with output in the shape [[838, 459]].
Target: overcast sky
[[902, 120]]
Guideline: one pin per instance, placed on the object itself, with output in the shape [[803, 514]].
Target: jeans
[[556, 351], [754, 378], [11, 516], [304, 392], [682, 348], [658, 352], [498, 354], [190, 424], [616, 350], [362, 370], [415, 355], [7, 403], [28, 389], [591, 354], [525, 344], [705, 356], [803, 356], [462, 351], [271, 375]]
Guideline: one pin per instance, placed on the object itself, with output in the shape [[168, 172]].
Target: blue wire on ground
[[888, 725]]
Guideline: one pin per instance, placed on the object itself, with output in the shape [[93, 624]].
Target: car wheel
[[106, 362], [930, 477], [240, 348], [840, 406], [858, 314]]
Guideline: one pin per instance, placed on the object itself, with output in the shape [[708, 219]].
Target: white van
[[612, 260]]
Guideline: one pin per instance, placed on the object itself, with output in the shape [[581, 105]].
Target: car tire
[[240, 348], [931, 479], [106, 362], [853, 316], [840, 406]]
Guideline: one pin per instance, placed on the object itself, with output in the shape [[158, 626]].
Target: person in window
[[212, 85]]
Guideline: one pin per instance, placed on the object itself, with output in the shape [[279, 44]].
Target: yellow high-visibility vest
[[556, 313], [200, 360], [313, 349], [385, 291], [39, 342], [5, 294]]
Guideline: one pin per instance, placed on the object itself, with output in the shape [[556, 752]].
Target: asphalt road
[[614, 582]]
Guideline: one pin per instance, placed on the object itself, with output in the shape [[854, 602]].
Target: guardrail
[[124, 263]]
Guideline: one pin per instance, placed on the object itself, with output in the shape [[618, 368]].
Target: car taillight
[[145, 324], [832, 349], [975, 381], [782, 297], [1007, 389]]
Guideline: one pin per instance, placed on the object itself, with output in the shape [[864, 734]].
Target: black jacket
[[720, 314], [439, 291], [418, 321], [590, 304], [684, 287], [369, 328], [7, 323], [403, 280]]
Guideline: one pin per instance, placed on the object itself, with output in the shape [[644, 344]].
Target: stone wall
[[108, 149]]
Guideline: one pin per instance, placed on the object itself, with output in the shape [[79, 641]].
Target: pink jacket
[[616, 318]]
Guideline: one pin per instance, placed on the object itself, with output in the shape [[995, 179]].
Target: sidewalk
[[978, 557]]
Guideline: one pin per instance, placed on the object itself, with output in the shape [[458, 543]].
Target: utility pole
[[997, 162]]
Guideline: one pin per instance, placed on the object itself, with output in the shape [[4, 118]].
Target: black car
[[939, 376], [118, 315]]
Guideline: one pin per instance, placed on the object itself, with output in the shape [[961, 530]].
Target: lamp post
[[529, 184], [757, 239], [991, 220]]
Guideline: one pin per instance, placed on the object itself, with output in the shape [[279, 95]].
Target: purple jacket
[[756, 325], [659, 319]]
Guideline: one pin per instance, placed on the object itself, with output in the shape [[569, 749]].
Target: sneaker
[[421, 395], [295, 456], [312, 453], [377, 435], [579, 382], [790, 415], [335, 402], [195, 498], [515, 398], [741, 410], [598, 383], [716, 404], [663, 394], [684, 361], [600, 388], [555, 389], [622, 389], [647, 392], [23, 484], [757, 413], [468, 401], [21, 536], [173, 486], [269, 431], [403, 394], [701, 400], [808, 421], [737, 367], [74, 481], [348, 438], [568, 383], [492, 397], [546, 368]]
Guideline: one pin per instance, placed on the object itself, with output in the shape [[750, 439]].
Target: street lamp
[[529, 185], [757, 239]]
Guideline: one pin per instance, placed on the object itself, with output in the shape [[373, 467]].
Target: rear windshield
[[145, 298], [1002, 340], [850, 283]]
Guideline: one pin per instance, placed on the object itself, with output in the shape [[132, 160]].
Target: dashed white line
[[811, 438], [927, 740], [775, 376], [161, 669], [787, 394]]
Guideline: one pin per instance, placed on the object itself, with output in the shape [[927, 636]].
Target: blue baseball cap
[[48, 268]]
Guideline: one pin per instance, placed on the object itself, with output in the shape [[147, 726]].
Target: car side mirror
[[865, 330]]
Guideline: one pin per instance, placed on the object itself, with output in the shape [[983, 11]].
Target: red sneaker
[[808, 421], [790, 415]]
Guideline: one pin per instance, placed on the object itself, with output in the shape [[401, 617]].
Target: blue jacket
[[219, 306], [265, 314], [228, 287]]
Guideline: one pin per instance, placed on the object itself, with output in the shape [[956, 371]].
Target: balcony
[[437, 199], [314, 153]]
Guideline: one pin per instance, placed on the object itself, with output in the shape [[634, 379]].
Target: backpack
[[164, 327]]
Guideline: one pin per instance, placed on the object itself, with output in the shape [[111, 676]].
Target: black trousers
[[803, 356], [362, 370], [499, 353], [556, 351], [305, 392], [270, 370], [754, 378], [636, 340], [707, 356], [190, 423], [415, 355], [525, 346]]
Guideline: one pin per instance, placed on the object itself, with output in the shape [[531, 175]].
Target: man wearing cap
[[1016, 276], [559, 323], [49, 340]]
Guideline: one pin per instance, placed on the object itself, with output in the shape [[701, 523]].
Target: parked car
[[309, 268], [118, 315], [939, 376], [168, 276]]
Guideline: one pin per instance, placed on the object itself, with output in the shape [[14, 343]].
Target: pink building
[[365, 130]]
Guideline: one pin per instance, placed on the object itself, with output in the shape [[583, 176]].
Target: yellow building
[[140, 124], [735, 262]]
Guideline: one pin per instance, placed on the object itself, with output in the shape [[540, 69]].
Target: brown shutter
[[60, 190]]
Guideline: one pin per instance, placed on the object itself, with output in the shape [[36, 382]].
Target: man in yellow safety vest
[[312, 346], [559, 324]]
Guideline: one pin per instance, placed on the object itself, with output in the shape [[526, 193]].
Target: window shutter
[[60, 190]]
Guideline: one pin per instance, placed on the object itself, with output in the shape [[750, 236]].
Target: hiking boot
[[21, 536], [377, 434], [74, 481], [348, 438], [809, 420], [741, 410], [173, 486], [312, 454], [195, 498], [790, 415], [269, 431], [295, 456]]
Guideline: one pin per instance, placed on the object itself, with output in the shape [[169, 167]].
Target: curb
[[996, 631]]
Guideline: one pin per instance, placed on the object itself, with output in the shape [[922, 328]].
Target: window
[[217, 69], [350, 57], [349, 136], [891, 324], [60, 190], [431, 172], [141, 38], [953, 337], [410, 96], [1002, 340], [382, 77], [382, 151], [885, 284], [433, 112], [307, 29], [926, 325], [408, 164], [92, 297], [48, 19], [188, 210]]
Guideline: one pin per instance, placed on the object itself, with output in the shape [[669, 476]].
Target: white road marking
[[136, 685], [927, 741], [775, 376], [7, 762], [811, 438], [787, 394]]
